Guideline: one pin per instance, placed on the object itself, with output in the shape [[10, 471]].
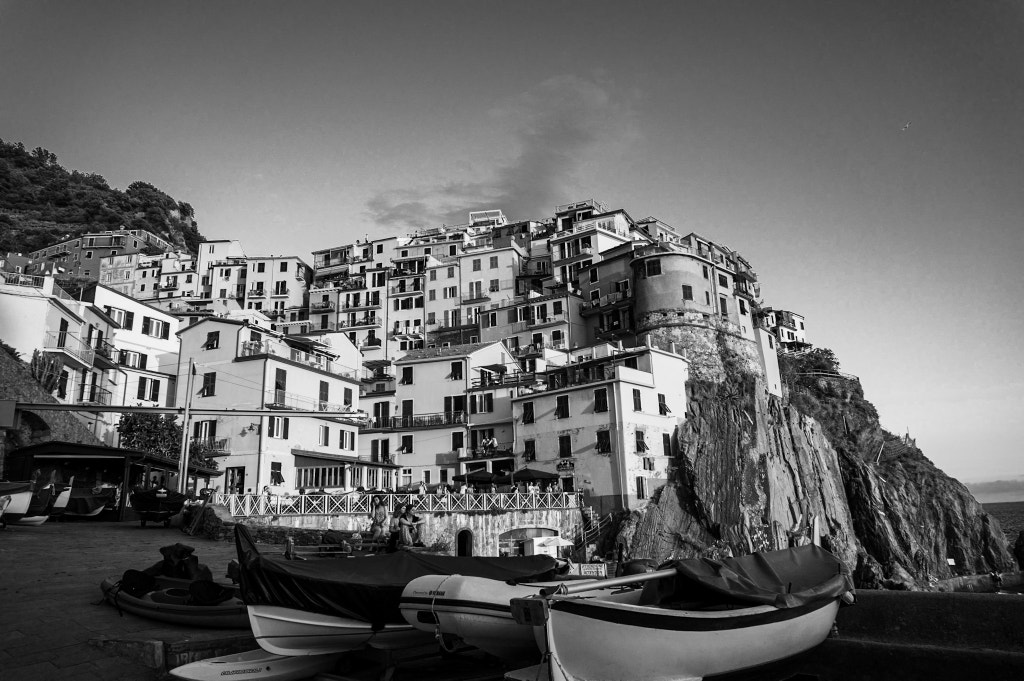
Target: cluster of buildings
[[562, 344]]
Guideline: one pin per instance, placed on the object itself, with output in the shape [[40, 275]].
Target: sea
[[1010, 515]]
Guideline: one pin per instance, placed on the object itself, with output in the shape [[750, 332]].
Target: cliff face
[[753, 471]]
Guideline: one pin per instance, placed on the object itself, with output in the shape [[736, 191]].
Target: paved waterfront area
[[49, 587]]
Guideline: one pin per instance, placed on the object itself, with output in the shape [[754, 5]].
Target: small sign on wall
[[598, 570]]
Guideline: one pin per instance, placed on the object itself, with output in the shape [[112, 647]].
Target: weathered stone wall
[[708, 344], [16, 383]]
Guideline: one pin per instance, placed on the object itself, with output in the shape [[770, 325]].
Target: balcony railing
[[281, 292], [256, 293], [499, 380], [91, 394], [362, 305], [356, 323], [279, 349], [344, 503], [71, 345], [444, 418], [615, 298], [280, 399], [169, 286], [407, 290], [210, 444], [502, 449], [12, 279], [550, 319], [322, 305]]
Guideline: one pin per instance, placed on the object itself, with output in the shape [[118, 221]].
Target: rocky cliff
[[754, 471]]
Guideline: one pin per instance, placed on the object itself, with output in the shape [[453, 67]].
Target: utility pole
[[183, 450]]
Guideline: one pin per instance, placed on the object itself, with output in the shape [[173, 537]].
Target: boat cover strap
[[784, 579]]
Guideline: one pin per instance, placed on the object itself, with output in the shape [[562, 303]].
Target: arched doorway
[[464, 543]]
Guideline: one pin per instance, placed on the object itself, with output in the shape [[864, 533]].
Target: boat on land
[[87, 502], [157, 505], [38, 511], [175, 601], [256, 664], [696, 618], [475, 610], [19, 496], [318, 607]]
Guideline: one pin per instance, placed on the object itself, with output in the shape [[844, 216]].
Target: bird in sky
[[905, 127]]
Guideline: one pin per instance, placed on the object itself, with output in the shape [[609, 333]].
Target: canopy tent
[[525, 475], [481, 477]]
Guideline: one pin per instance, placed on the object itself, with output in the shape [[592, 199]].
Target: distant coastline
[[1010, 516]]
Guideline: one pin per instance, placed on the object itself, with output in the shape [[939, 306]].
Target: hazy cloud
[[557, 129]]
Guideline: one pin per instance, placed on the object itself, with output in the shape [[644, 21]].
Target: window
[[451, 271], [135, 360], [562, 407], [149, 389], [653, 267], [707, 297], [278, 427], [494, 262], [494, 286], [705, 269], [771, 344], [406, 447], [212, 340], [564, 446], [209, 384], [723, 306], [527, 412], [275, 473], [347, 440], [687, 292], [284, 266], [593, 275], [638, 404], [406, 376], [743, 306], [666, 443], [482, 403], [325, 436], [663, 406], [346, 398], [88, 255], [604, 442], [641, 487], [380, 248], [595, 296], [530, 450], [261, 266], [723, 281], [641, 445], [601, 400], [456, 373], [457, 440], [476, 264]]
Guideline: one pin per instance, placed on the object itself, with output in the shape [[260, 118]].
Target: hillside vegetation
[[42, 203]]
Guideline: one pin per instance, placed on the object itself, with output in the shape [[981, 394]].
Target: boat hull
[[287, 631], [602, 641], [174, 610], [473, 609], [256, 664]]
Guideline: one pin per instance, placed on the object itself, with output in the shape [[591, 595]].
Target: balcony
[[71, 347], [179, 308], [589, 203], [499, 380], [570, 258], [342, 283], [377, 376], [275, 348], [360, 323], [218, 445], [440, 419], [605, 303], [501, 450], [91, 394], [551, 319], [400, 272], [322, 306], [406, 332], [169, 286], [256, 293], [476, 296], [362, 306], [565, 378], [281, 293], [280, 399], [415, 290], [370, 344]]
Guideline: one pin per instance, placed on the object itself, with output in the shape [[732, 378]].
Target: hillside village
[[562, 344]]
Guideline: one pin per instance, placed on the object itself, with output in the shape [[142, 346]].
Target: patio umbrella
[[557, 541], [475, 477], [526, 475]]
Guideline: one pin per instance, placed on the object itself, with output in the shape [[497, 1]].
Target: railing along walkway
[[259, 505]]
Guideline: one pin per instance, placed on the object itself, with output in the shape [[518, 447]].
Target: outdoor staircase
[[593, 526]]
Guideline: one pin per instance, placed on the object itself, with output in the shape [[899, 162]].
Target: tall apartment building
[[240, 362]]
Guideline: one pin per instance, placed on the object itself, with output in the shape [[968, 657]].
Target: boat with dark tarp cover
[[328, 606], [692, 619]]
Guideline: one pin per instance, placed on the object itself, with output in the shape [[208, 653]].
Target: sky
[[867, 158]]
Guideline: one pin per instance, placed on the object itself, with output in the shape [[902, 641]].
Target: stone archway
[[464, 543]]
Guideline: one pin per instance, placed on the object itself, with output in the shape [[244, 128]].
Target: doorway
[[464, 543]]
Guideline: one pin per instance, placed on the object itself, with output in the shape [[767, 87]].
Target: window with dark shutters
[[145, 325], [527, 412], [129, 320], [601, 400], [562, 407]]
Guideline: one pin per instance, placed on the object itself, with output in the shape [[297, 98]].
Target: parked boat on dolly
[[256, 664], [179, 602], [696, 618], [38, 511], [19, 496], [330, 606], [88, 502]]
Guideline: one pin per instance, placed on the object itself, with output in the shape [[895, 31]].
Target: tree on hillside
[[160, 434]]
